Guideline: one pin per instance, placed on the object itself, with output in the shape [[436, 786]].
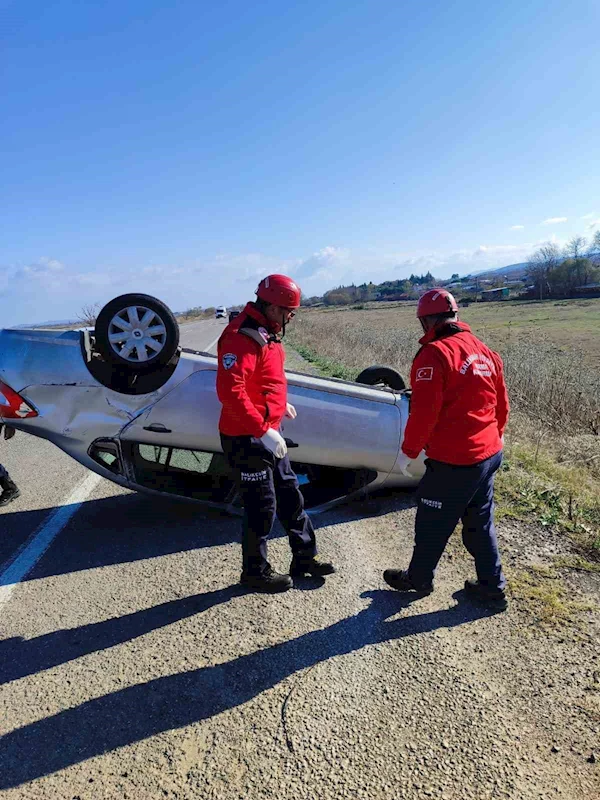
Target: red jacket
[[251, 382], [459, 405]]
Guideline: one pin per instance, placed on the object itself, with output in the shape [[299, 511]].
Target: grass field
[[551, 353], [572, 326]]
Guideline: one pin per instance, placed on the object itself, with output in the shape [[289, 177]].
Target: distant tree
[[575, 247], [540, 264], [87, 315], [343, 295], [593, 252], [193, 312], [580, 265], [455, 276]]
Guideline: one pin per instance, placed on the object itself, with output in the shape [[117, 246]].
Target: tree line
[[553, 272], [405, 289]]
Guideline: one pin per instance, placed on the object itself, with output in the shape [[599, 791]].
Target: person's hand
[[274, 442], [290, 411], [403, 462]]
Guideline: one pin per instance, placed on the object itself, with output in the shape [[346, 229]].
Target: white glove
[[403, 462], [290, 411], [274, 442]]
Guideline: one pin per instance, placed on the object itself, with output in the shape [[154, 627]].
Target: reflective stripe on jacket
[[251, 382], [459, 405]]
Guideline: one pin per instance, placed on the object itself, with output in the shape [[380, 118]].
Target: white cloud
[[517, 227], [553, 220], [589, 216], [48, 289], [595, 223]]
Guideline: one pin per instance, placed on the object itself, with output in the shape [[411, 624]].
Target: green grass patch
[[532, 487], [541, 592], [327, 366], [576, 562]]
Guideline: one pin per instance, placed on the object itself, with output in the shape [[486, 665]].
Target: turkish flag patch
[[424, 374]]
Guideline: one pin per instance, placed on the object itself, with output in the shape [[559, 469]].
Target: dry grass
[[553, 446]]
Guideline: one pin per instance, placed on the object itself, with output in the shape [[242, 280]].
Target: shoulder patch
[[229, 360], [424, 374]]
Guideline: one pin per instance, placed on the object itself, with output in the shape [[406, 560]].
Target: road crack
[[284, 708]]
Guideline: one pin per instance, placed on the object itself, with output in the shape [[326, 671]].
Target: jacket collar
[[251, 310], [447, 329]]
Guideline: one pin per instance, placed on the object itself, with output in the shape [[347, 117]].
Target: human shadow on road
[[21, 657], [138, 712]]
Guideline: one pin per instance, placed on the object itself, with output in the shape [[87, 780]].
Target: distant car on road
[[126, 401], [233, 315], [220, 312]]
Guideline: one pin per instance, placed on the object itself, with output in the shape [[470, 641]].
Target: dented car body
[[157, 432]]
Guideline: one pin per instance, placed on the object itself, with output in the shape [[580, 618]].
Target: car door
[[343, 424], [187, 417]]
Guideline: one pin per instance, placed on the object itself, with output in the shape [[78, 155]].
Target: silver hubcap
[[137, 334]]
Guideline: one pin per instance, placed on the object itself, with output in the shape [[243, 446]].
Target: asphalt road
[[133, 666]]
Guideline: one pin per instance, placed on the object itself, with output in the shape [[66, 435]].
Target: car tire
[[373, 376], [143, 347]]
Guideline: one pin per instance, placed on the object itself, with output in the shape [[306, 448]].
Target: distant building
[[495, 294], [589, 290]]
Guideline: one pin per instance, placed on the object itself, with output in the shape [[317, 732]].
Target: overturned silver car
[[126, 401]]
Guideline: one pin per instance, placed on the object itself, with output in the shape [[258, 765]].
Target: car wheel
[[384, 376], [136, 331]]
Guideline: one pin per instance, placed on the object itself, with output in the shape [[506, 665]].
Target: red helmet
[[280, 291], [436, 301]]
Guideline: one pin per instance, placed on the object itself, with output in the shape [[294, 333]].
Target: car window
[[190, 473], [106, 453]]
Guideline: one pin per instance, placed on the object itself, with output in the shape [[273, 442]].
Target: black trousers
[[447, 494], [3, 472], [268, 487]]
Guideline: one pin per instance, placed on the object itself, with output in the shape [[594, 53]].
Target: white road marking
[[43, 537], [213, 343]]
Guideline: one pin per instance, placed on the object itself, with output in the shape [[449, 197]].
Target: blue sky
[[187, 149]]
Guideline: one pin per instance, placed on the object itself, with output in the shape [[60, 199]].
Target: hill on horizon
[[514, 270]]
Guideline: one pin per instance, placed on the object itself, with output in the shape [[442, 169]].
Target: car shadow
[[138, 712], [131, 527]]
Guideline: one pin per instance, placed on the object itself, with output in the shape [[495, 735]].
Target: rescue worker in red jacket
[[252, 388], [459, 409]]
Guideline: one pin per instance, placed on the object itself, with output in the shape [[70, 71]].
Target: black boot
[[310, 565], [492, 598], [398, 579], [269, 581], [10, 491]]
